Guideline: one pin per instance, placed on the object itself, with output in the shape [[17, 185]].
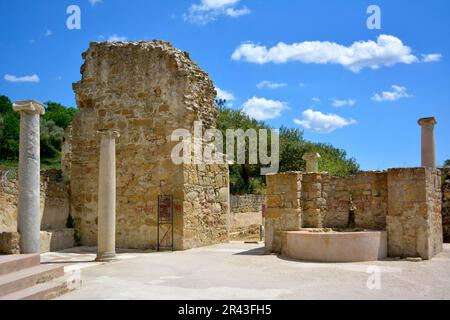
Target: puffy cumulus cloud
[[264, 109], [386, 51], [12, 78], [323, 123], [337, 103], [225, 95], [270, 85], [433, 57], [398, 92], [210, 10]]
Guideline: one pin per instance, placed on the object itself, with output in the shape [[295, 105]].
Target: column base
[[106, 257]]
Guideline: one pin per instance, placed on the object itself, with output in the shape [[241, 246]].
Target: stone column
[[107, 196], [312, 162], [29, 217], [428, 142]]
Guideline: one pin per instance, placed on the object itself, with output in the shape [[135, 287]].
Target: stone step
[[42, 291], [15, 263], [29, 277]]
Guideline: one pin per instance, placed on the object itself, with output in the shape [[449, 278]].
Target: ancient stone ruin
[[146, 90], [136, 95], [404, 204]]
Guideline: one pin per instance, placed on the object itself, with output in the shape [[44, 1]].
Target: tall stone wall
[[146, 90], [206, 205], [54, 201], [414, 222], [446, 205], [246, 216]]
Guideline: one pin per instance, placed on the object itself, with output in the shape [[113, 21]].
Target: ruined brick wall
[[246, 216], [9, 190], [404, 202], [370, 196], [206, 205], [146, 90], [54, 201], [414, 221], [284, 211], [446, 204]]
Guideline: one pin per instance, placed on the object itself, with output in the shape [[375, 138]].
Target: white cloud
[[12, 78], [324, 123], [398, 92], [48, 33], [210, 10], [434, 57], [225, 95], [302, 85], [315, 99], [386, 51], [94, 2], [116, 38], [270, 85], [343, 103], [264, 109]]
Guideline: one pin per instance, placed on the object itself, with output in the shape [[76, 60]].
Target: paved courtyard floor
[[242, 271]]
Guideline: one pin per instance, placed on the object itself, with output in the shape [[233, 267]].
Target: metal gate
[[165, 223]]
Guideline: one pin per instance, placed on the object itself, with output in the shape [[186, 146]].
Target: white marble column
[[107, 196], [29, 217], [428, 142], [312, 162]]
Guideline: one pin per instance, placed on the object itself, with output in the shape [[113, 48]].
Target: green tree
[[247, 178], [59, 114], [5, 105], [57, 118], [9, 139], [447, 163], [52, 137]]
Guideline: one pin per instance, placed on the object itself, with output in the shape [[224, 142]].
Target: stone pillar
[[107, 196], [312, 162], [428, 142], [414, 219], [313, 203], [29, 218], [284, 212]]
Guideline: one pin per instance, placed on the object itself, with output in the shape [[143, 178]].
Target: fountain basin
[[317, 246]]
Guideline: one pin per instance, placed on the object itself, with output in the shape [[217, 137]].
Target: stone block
[[9, 243]]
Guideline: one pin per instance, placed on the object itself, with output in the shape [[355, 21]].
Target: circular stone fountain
[[326, 245]]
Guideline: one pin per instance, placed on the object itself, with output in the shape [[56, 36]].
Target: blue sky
[[308, 64]]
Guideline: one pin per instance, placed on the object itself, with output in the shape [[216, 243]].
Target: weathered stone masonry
[[446, 204], [404, 202], [246, 216], [146, 90], [54, 205]]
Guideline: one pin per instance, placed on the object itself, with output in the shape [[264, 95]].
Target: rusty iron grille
[[165, 223]]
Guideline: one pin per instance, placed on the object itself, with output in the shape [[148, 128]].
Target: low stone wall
[[370, 196], [51, 241], [246, 216], [54, 201], [446, 204], [404, 202]]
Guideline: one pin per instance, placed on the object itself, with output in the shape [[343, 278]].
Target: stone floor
[[241, 271]]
